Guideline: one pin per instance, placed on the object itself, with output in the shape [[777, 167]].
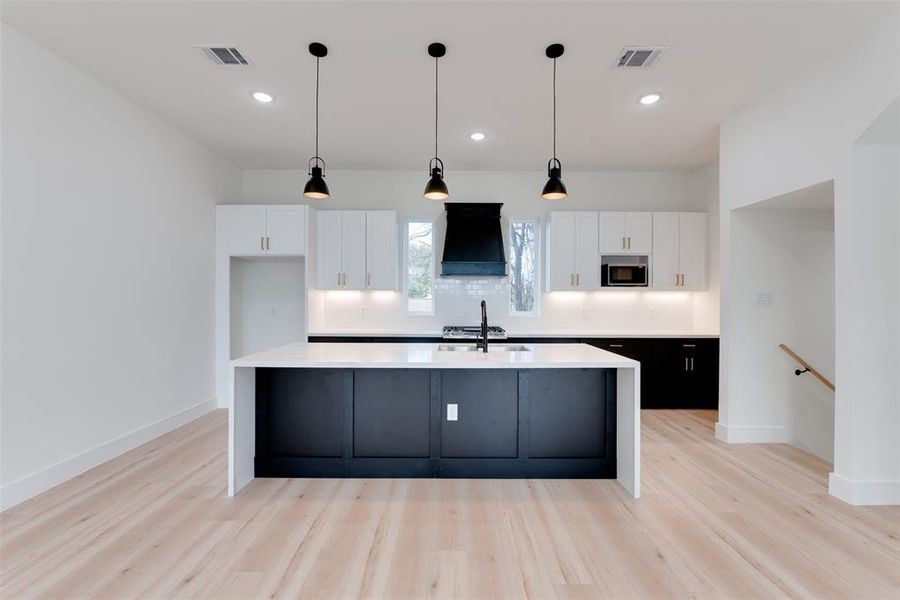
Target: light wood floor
[[715, 521]]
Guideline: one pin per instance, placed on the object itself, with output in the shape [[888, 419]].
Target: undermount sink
[[491, 348]]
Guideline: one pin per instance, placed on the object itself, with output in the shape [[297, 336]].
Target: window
[[524, 294], [420, 267]]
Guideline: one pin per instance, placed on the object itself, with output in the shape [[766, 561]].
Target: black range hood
[[473, 245]]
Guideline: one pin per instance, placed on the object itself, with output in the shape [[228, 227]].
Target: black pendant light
[[554, 189], [316, 188], [436, 189]]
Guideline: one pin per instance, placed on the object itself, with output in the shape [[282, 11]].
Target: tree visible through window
[[523, 272], [419, 267]]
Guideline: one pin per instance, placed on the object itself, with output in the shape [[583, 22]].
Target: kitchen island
[[434, 410]]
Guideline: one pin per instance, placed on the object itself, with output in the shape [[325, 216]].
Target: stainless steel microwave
[[614, 274]]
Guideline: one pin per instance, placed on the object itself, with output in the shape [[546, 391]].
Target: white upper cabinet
[[692, 250], [266, 230], [356, 250], [626, 232], [381, 250], [286, 230], [353, 249], [665, 243], [561, 252], [246, 230], [328, 249], [573, 262], [679, 257], [587, 258]]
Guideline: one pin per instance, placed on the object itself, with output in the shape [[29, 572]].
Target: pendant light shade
[[554, 189], [316, 188], [436, 188]]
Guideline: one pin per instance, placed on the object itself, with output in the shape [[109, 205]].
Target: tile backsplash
[[456, 302]]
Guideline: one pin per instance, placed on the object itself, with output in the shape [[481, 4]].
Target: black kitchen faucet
[[483, 342]]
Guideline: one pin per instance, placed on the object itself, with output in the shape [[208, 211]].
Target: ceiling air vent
[[637, 56], [224, 56]]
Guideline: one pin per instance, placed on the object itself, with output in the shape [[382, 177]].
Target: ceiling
[[377, 81]]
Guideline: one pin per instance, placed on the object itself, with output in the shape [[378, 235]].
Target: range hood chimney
[[473, 245]]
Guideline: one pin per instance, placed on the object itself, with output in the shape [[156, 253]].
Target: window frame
[[405, 239], [538, 225]]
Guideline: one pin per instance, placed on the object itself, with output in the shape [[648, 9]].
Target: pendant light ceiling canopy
[[316, 188], [554, 189], [436, 188]]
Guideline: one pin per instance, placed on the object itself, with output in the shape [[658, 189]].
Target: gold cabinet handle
[[267, 243], [615, 345], [368, 279], [577, 279], [692, 363], [339, 279], [629, 242], [623, 243], [262, 244], [572, 279], [685, 363]]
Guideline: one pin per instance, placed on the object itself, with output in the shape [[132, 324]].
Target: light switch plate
[[763, 299], [452, 412]]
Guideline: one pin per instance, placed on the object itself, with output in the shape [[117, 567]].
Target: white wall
[[798, 135], [107, 271], [456, 301]]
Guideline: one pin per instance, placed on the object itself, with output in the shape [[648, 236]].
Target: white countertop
[[412, 356], [524, 334]]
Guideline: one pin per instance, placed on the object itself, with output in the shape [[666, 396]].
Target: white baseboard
[[863, 492], [31, 485], [753, 434]]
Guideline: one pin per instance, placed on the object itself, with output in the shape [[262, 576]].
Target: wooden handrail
[[807, 366]]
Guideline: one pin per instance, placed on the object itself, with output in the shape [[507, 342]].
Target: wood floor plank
[[715, 521]]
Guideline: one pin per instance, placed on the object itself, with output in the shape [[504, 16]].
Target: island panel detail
[[394, 422]]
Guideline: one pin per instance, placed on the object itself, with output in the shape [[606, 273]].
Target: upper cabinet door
[[246, 230], [381, 250], [639, 233], [353, 249], [587, 256], [328, 250], [561, 252], [665, 250], [286, 230], [613, 233], [692, 250]]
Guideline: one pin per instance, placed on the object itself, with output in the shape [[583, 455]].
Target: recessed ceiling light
[[650, 99], [477, 136], [263, 97]]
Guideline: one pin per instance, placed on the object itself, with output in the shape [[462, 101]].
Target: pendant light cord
[[554, 108], [317, 107], [435, 107]]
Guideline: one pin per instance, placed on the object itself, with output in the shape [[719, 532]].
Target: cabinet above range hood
[[473, 245]]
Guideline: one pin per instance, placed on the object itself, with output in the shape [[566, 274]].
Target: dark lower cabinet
[[391, 413], [394, 423], [564, 414], [685, 374], [487, 412], [300, 412], [675, 372]]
